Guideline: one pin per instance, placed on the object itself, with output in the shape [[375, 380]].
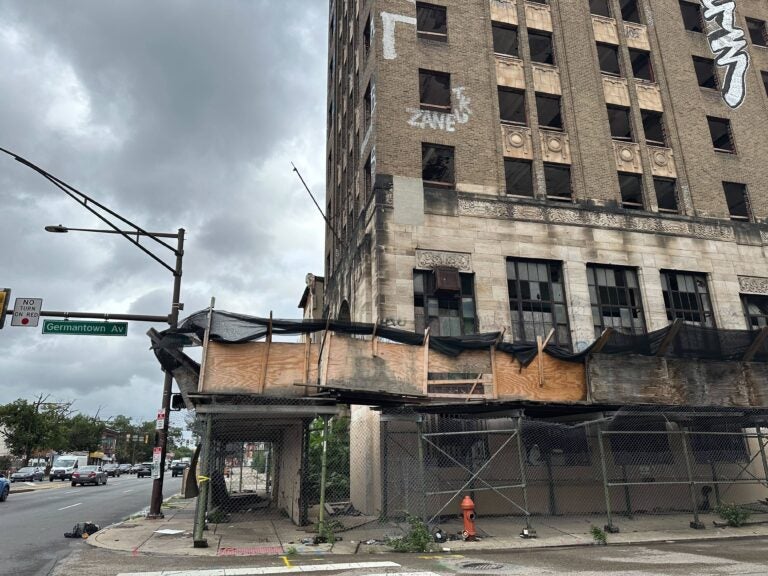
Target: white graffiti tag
[[442, 120], [728, 45], [388, 22]]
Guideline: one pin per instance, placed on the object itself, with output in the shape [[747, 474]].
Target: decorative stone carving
[[605, 30], [555, 147], [637, 36], [517, 141], [662, 162], [649, 96], [616, 90], [546, 79], [627, 156], [753, 285], [509, 72], [504, 11], [429, 259], [538, 16]]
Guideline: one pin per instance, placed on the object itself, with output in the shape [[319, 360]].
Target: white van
[[65, 464]]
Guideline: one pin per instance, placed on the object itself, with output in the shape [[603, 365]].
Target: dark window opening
[[631, 187], [558, 181], [692, 16], [641, 64], [615, 297], [756, 30], [445, 313], [738, 201], [519, 177], [537, 301], [764, 76], [505, 40], [600, 8], [512, 106], [686, 297], [437, 164], [367, 177], [367, 38], [755, 311], [549, 112], [630, 11], [666, 194], [431, 22], [720, 131], [435, 90], [705, 72], [368, 105], [653, 125], [608, 58], [541, 47], [621, 127]]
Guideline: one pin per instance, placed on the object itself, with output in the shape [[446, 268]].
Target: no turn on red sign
[[26, 312]]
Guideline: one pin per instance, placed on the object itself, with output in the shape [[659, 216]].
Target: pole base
[[158, 516], [528, 533], [697, 525], [611, 529], [200, 543]]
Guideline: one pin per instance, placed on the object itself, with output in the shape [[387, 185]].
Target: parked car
[[125, 468], [27, 474], [135, 468], [89, 475], [178, 467], [111, 470], [5, 488], [145, 470]]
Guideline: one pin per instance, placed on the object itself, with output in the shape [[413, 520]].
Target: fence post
[[323, 472], [422, 476], [384, 467], [762, 452], [696, 524], [520, 452], [201, 505], [610, 526]]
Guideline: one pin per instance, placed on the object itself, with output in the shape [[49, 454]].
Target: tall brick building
[[528, 166]]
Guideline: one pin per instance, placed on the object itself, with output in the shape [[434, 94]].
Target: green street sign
[[81, 328]]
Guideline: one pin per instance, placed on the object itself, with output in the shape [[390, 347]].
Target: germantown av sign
[[85, 328], [726, 40]]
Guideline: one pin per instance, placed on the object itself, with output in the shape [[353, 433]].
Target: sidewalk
[[273, 534]]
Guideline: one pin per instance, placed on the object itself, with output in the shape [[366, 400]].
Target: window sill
[[435, 108], [723, 151], [442, 185], [433, 37]]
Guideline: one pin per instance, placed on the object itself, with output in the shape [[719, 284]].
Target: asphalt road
[[32, 524]]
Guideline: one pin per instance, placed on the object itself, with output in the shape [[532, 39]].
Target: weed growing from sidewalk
[[417, 539], [291, 551], [734, 514], [599, 535]]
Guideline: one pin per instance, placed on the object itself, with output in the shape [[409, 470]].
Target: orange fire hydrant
[[468, 512]]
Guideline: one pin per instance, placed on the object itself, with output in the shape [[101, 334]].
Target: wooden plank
[[602, 341], [425, 386], [265, 361], [563, 381], [472, 390], [307, 349], [756, 344], [328, 360], [481, 378], [206, 340], [670, 337], [499, 340], [375, 340]]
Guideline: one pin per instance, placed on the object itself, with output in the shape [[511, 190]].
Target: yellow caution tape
[[203, 479]]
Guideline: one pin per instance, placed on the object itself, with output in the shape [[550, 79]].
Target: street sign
[[84, 328], [160, 423], [26, 312], [157, 454], [5, 297]]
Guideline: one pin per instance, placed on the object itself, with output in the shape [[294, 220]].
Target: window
[[615, 297], [541, 47], [368, 104], [720, 130], [629, 11], [666, 194], [764, 76], [367, 38], [519, 177], [631, 187], [512, 106], [368, 177], [435, 90], [705, 72], [537, 301], [756, 311], [608, 59], [548, 110], [431, 22], [692, 16], [618, 118], [641, 64], [444, 312], [738, 201], [558, 181], [437, 164], [505, 40], [756, 30], [653, 125], [686, 297], [600, 8]]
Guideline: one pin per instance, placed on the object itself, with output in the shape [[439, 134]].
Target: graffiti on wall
[[388, 22], [442, 120], [729, 47]]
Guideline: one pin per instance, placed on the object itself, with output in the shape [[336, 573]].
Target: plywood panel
[[562, 382]]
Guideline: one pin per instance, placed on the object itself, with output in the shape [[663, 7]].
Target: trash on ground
[[168, 531], [82, 530]]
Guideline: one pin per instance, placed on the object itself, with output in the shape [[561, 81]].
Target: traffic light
[[5, 297]]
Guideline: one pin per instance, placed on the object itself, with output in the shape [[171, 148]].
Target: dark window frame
[[764, 77], [647, 116], [624, 178], [554, 168], [637, 69], [434, 80], [611, 293], [755, 27], [543, 100], [676, 209], [422, 34], [551, 58], [529, 167], [686, 304], [518, 94], [756, 320], [735, 210], [497, 40], [425, 298], [703, 77], [604, 8], [603, 52], [451, 168], [625, 113], [717, 139], [695, 7], [630, 8]]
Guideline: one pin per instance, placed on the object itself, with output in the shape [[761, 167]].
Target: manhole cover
[[480, 566]]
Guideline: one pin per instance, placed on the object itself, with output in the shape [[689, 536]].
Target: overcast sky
[[175, 114]]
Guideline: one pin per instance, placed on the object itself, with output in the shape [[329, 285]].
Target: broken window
[[755, 310], [705, 72], [756, 30], [629, 11], [505, 39], [431, 22], [653, 126], [558, 181], [435, 90], [541, 47], [367, 38], [738, 201], [621, 127], [519, 177], [537, 301], [641, 64], [666, 194], [446, 312], [686, 297], [692, 16], [631, 187], [437, 164], [512, 105], [608, 59], [615, 297], [720, 130]]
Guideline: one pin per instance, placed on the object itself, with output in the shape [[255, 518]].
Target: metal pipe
[[101, 316], [323, 471], [762, 452], [519, 434], [201, 506], [604, 468], [422, 475], [691, 483]]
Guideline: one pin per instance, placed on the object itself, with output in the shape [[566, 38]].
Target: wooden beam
[[265, 358], [756, 344], [328, 360], [474, 385], [322, 347], [307, 356], [602, 341], [499, 340], [375, 340], [670, 337], [425, 383], [206, 339], [541, 344]]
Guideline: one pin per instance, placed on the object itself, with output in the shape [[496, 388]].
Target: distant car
[[135, 468], [5, 488], [27, 474], [178, 467], [125, 468], [111, 470], [144, 470], [89, 475]]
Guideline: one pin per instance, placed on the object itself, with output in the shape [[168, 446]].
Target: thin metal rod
[[101, 316], [524, 483], [605, 477], [422, 474], [323, 472], [491, 488], [469, 432], [762, 452], [691, 482], [330, 226]]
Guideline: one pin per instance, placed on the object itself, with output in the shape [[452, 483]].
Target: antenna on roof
[[315, 201]]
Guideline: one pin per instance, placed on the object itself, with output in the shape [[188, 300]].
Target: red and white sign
[[160, 424], [157, 455], [26, 312]]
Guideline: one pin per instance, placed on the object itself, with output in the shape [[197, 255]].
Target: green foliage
[[599, 535], [291, 551], [326, 532], [182, 452], [734, 514], [337, 457], [417, 539], [31, 426], [83, 433]]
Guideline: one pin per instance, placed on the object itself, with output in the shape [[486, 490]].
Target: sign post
[[160, 424], [5, 297], [26, 312], [157, 454]]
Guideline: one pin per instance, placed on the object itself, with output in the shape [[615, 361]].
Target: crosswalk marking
[[263, 570]]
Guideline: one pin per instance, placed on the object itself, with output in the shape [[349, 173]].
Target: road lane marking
[[72, 506], [126, 491], [280, 570]]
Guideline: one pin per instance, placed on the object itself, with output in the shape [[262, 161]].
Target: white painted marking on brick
[[388, 22], [71, 506]]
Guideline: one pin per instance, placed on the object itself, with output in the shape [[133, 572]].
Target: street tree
[[28, 427]]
